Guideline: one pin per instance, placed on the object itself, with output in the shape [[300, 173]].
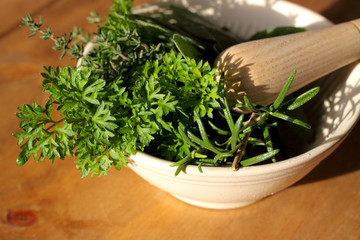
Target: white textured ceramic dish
[[335, 112]]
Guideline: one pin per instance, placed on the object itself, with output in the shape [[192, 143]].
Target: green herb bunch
[[142, 87]]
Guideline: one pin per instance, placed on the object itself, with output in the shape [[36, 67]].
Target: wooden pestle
[[260, 68]]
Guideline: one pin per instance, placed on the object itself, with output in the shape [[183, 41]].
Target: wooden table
[[44, 201]]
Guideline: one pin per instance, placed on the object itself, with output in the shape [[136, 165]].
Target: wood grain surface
[[46, 202]]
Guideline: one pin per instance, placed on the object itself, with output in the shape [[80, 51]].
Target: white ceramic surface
[[335, 113]]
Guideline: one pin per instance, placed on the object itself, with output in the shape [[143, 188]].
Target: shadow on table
[[345, 159]]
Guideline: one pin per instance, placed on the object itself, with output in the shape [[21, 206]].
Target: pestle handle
[[260, 68]]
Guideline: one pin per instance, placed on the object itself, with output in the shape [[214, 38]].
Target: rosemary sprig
[[261, 119]]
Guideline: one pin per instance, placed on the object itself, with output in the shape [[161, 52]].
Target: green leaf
[[227, 114], [302, 99], [22, 158], [182, 130], [187, 47], [249, 105], [278, 31], [90, 93], [283, 92], [166, 105], [221, 156], [185, 161], [205, 142], [94, 17], [268, 142], [218, 130], [236, 132], [256, 141], [259, 158], [290, 119], [179, 169], [145, 134], [66, 129], [103, 118], [202, 143]]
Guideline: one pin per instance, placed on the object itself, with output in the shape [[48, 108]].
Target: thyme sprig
[[62, 43]]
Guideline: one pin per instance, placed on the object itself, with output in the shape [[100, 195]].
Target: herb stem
[[54, 123], [241, 149]]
